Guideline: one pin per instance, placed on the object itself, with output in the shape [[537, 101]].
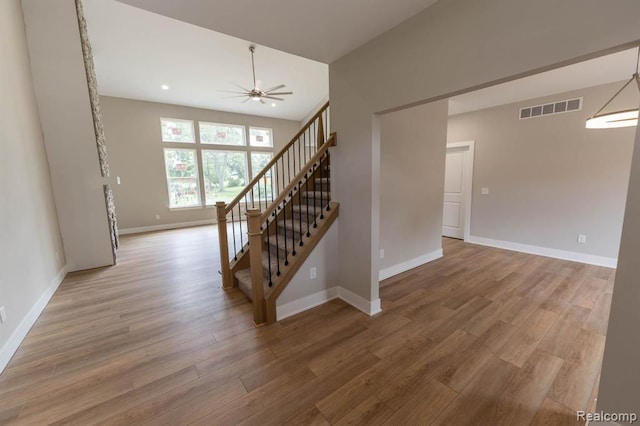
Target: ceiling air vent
[[551, 108]]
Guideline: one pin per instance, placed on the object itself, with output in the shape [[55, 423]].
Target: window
[[182, 177], [176, 130], [260, 137], [221, 134], [259, 160], [224, 173], [218, 164]]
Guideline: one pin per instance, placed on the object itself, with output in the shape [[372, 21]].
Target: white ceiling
[[136, 52], [605, 69], [321, 30]]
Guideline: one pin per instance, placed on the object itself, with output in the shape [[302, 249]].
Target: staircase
[[288, 210]]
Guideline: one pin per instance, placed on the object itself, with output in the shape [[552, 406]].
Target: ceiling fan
[[257, 94]]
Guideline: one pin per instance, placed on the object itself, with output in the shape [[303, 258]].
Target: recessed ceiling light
[[164, 87], [273, 105]]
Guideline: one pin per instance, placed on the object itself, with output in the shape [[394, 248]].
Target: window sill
[[171, 209]]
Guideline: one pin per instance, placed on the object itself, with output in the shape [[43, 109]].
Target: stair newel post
[[227, 280], [320, 132], [255, 260]]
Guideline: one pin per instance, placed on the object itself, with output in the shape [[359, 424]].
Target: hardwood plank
[[578, 374], [561, 336], [522, 397], [256, 400], [338, 404], [589, 292], [553, 414], [110, 407], [420, 372], [474, 404], [523, 343], [155, 340], [424, 406], [371, 411], [304, 398], [599, 317]]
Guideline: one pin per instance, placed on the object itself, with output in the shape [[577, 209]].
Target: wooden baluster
[[227, 279], [320, 139], [255, 260]]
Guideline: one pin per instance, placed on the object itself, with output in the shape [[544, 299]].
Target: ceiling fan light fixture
[[256, 94], [616, 119]]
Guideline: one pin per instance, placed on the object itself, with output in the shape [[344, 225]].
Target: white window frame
[[258, 146], [230, 151], [198, 146], [238, 126], [179, 120], [197, 178]]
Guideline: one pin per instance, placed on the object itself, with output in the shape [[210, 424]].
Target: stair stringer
[[295, 262]]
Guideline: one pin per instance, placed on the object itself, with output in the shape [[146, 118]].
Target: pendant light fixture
[[626, 118]]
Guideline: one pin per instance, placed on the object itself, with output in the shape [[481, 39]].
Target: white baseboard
[[306, 303], [609, 262], [165, 226], [368, 307], [409, 264], [11, 346], [321, 297]]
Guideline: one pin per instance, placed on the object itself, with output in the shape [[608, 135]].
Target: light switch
[[484, 191]]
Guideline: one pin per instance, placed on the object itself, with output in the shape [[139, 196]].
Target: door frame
[[468, 181]]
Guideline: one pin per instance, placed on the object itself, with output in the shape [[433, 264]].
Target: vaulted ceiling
[[320, 30]]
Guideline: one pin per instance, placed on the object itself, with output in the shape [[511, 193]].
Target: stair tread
[[280, 242], [316, 194], [297, 208], [294, 225]]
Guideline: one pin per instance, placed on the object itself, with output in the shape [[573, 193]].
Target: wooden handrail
[[275, 159], [289, 188]]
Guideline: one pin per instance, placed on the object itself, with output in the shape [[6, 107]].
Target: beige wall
[[451, 47], [549, 178], [31, 256], [132, 129], [62, 95], [620, 380], [323, 258], [412, 158]]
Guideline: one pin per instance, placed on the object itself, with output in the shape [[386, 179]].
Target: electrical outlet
[[582, 239], [484, 191], [118, 180], [313, 273], [157, 217], [381, 253], [3, 314]]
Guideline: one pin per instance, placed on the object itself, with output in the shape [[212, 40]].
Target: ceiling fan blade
[[275, 88], [240, 87], [234, 96], [280, 93], [271, 97], [231, 91], [245, 100]]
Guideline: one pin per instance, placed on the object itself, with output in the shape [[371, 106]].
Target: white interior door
[[457, 190]]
